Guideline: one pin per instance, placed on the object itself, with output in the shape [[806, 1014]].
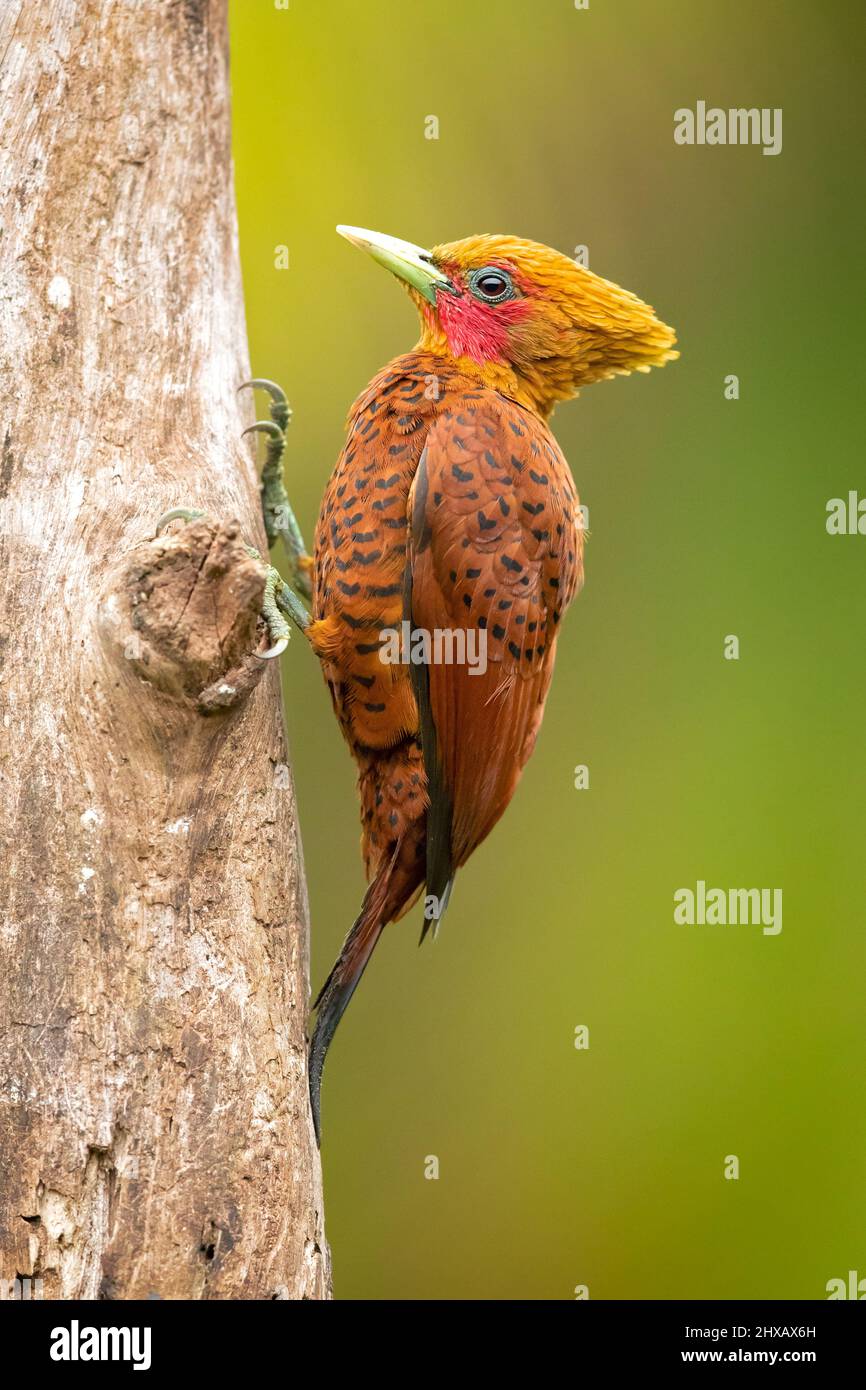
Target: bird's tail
[[393, 885]]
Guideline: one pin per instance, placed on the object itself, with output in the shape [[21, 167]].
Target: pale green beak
[[409, 263]]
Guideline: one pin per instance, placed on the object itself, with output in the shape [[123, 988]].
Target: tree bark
[[155, 1137]]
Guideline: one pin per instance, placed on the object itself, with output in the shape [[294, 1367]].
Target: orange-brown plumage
[[452, 507]]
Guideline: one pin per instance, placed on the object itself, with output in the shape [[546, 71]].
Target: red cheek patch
[[476, 330]]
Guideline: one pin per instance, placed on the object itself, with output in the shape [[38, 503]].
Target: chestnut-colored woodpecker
[[451, 510]]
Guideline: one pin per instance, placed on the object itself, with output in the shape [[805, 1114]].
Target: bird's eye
[[491, 284]]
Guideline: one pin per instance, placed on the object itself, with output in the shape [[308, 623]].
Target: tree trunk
[[155, 1137]]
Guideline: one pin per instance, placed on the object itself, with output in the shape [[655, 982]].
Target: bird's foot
[[278, 601], [277, 511]]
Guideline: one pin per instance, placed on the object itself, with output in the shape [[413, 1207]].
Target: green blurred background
[[603, 1167]]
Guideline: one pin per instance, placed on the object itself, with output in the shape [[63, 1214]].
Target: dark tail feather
[[440, 811], [339, 987]]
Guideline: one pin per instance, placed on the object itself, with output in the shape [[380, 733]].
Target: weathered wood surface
[[155, 1136]]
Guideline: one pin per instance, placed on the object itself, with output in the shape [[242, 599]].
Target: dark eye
[[491, 284]]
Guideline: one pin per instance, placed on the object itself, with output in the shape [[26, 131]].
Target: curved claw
[[261, 383], [281, 411], [177, 514], [276, 650], [264, 427]]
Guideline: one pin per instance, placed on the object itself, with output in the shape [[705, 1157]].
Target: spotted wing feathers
[[495, 553]]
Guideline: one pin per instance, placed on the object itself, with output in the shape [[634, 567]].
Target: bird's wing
[[495, 553]]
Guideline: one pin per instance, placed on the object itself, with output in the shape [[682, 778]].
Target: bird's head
[[521, 316]]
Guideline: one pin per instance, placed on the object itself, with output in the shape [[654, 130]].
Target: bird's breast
[[361, 548]]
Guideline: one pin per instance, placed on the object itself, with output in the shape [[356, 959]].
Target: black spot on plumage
[[540, 535], [520, 619], [514, 565], [467, 599], [374, 708], [532, 627], [384, 503], [461, 474], [437, 499], [533, 508], [394, 523], [528, 653], [482, 622], [498, 631], [540, 478], [349, 589], [505, 604], [516, 463], [366, 681], [384, 483], [488, 593], [367, 648], [485, 523], [514, 649], [383, 590], [355, 623], [554, 583], [473, 574], [452, 575], [503, 506], [370, 559], [398, 449], [363, 537], [516, 428]]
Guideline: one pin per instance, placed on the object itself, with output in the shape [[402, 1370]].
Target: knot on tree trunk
[[182, 613]]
